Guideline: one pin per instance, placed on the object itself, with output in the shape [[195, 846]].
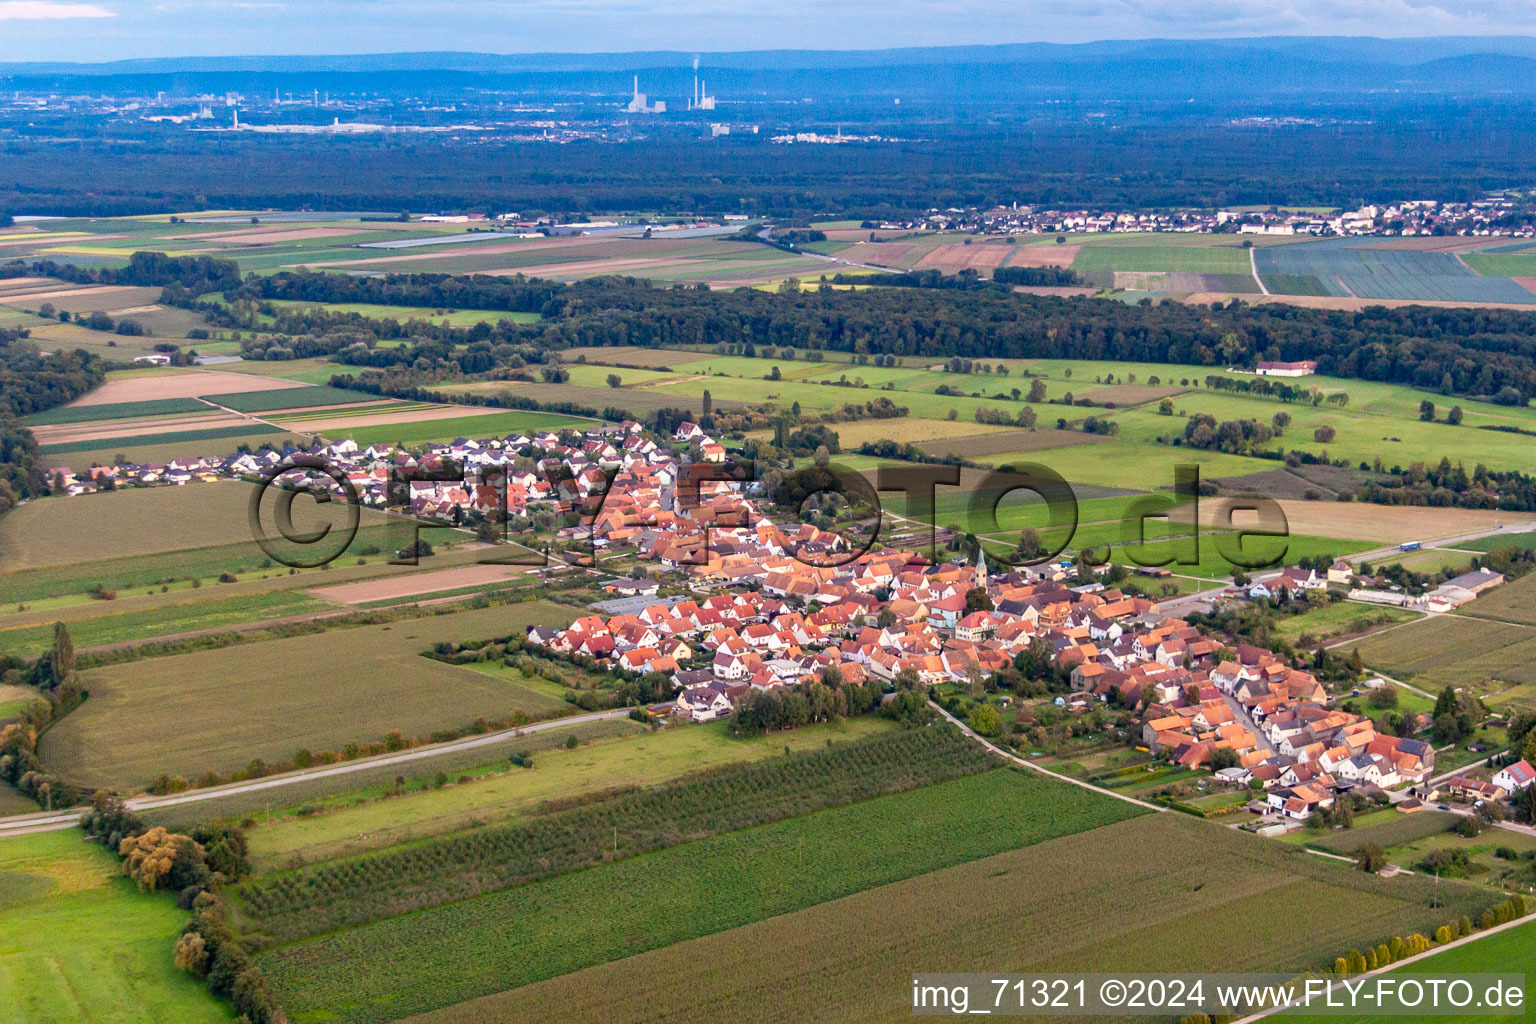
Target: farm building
[[1305, 368]]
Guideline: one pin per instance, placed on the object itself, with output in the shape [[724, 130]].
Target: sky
[[66, 30]]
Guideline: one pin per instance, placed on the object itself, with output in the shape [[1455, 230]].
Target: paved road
[[1439, 542], [1246, 720], [43, 822]]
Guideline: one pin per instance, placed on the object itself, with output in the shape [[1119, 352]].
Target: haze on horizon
[[107, 30]]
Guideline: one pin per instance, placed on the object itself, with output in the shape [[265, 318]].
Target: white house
[[1516, 776]]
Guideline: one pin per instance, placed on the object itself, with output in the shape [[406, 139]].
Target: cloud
[[46, 10]]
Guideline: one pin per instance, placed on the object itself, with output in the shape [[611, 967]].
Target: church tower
[[981, 569]]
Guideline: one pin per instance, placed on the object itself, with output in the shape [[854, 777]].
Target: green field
[[1339, 619], [374, 782], [1155, 256], [266, 700], [1524, 540], [348, 828], [78, 942], [290, 398], [702, 888], [478, 427], [116, 411], [1501, 264], [453, 318], [153, 448], [188, 442], [110, 627], [1160, 893], [1509, 951]]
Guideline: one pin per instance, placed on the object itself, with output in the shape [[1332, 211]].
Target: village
[[725, 603], [1490, 217]]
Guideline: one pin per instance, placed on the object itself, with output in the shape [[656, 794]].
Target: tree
[[61, 656], [149, 858], [1165, 407], [984, 719], [1224, 757], [1027, 418], [191, 952], [1383, 697], [707, 403], [908, 679], [1454, 416], [1279, 421], [614, 380], [1427, 411], [1525, 805], [1030, 545], [1036, 391], [976, 600], [1324, 434], [1356, 663], [1452, 722]]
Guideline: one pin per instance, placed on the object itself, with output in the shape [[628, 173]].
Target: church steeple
[[981, 568]]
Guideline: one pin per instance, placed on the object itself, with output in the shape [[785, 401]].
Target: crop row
[[325, 897], [390, 969]]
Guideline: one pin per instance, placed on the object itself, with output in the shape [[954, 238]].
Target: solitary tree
[[614, 380], [61, 656]]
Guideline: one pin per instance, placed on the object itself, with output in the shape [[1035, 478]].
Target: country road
[[967, 730], [44, 821]]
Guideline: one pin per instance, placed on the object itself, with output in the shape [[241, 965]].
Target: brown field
[[105, 430], [632, 355], [314, 411], [1060, 291], [603, 246], [13, 285], [1129, 394], [185, 384], [1008, 442], [887, 254], [954, 256], [1528, 283], [263, 235], [384, 419], [587, 268], [1386, 523], [1043, 256], [419, 583], [53, 292]]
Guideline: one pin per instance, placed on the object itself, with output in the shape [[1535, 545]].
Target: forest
[[30, 382], [1138, 161], [1477, 352]]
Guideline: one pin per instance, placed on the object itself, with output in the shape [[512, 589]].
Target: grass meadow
[[78, 942]]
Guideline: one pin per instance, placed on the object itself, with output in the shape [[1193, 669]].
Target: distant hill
[[1217, 71]]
